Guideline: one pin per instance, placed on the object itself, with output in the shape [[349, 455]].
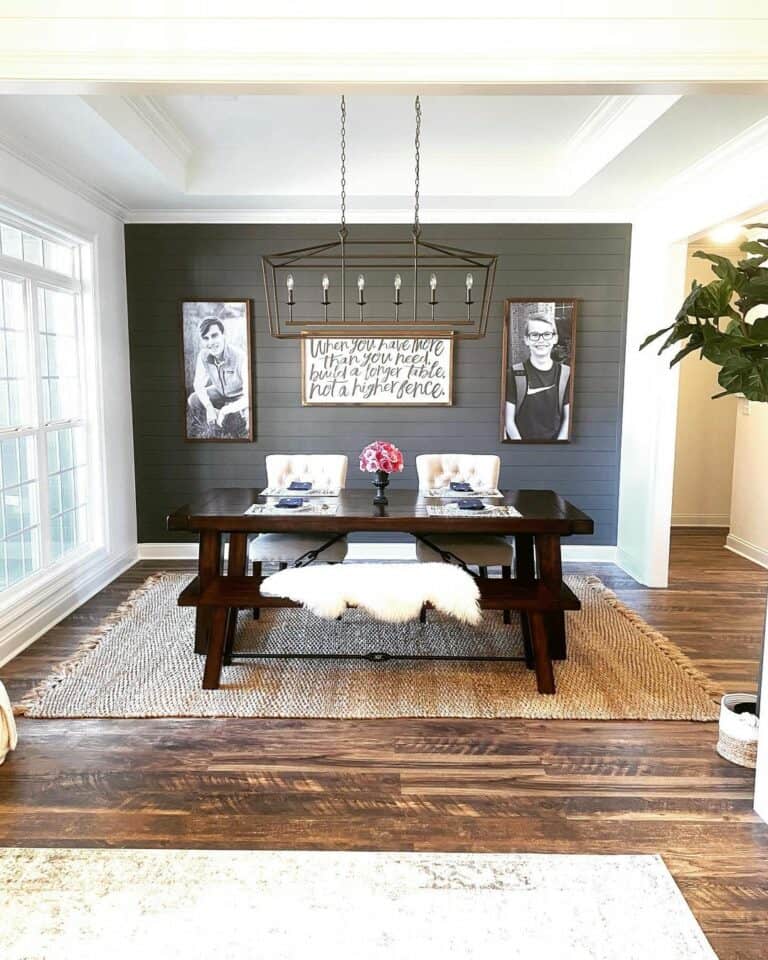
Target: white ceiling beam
[[718, 48], [146, 127]]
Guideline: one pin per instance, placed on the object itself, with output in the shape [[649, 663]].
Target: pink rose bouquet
[[381, 455]]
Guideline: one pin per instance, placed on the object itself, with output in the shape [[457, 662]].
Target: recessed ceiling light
[[726, 233]]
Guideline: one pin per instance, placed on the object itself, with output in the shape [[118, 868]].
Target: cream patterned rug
[[141, 664], [124, 904]]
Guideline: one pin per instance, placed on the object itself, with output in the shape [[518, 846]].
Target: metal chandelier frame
[[412, 258]]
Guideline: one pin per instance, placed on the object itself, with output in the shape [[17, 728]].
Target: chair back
[[436, 470], [327, 471]]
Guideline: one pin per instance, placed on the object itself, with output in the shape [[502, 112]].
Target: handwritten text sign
[[377, 370]]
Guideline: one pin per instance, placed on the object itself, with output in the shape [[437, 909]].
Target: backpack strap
[[564, 376], [521, 384]]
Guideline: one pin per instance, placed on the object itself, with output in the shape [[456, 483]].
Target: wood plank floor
[[503, 785]]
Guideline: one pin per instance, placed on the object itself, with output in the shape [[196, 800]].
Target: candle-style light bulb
[[470, 281], [433, 282], [398, 281], [289, 281], [326, 281], [360, 296]]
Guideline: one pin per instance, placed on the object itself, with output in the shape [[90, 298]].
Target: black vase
[[381, 482]]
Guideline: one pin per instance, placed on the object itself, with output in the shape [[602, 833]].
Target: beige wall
[[749, 503], [706, 431]]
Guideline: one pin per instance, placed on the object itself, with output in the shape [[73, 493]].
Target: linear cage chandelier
[[379, 284]]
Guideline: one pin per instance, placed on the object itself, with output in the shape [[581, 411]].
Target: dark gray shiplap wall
[[169, 262]]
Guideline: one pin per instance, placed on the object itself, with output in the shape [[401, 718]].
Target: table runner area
[[454, 510], [272, 509]]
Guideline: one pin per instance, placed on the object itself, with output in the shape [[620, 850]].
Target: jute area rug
[[123, 904], [141, 664]]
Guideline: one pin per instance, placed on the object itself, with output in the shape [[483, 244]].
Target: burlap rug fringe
[[664, 644], [88, 644]]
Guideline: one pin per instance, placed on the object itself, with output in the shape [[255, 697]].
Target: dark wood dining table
[[536, 590]]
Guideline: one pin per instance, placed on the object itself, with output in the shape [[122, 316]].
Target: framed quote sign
[[377, 370]]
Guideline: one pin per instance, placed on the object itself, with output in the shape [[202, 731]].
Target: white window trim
[[84, 283]]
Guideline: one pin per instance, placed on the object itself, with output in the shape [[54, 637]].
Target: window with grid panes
[[43, 431]]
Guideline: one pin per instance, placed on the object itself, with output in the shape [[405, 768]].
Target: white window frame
[[36, 279]]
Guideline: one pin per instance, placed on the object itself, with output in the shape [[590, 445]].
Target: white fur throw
[[394, 592], [8, 736]]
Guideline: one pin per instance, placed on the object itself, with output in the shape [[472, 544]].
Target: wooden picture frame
[[373, 334], [538, 424], [218, 320]]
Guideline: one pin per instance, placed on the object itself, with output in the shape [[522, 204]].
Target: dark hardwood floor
[[511, 785]]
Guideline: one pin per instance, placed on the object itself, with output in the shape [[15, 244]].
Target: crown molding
[[99, 198], [614, 124], [151, 112], [405, 216], [749, 140]]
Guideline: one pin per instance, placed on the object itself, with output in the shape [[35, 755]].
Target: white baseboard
[[748, 550], [168, 551], [29, 619], [578, 553], [701, 520]]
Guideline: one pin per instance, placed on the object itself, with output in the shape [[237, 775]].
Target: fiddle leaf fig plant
[[712, 319]]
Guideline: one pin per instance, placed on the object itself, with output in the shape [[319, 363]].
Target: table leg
[[526, 572], [545, 677], [235, 568], [216, 642], [208, 567], [551, 573]]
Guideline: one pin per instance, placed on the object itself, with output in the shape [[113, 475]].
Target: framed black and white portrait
[[538, 357], [216, 358]]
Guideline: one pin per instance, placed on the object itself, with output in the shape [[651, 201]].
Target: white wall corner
[[656, 289], [745, 548]]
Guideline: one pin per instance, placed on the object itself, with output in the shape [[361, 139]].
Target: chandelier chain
[[417, 146], [343, 165]]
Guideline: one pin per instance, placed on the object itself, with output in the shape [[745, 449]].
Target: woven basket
[[737, 741]]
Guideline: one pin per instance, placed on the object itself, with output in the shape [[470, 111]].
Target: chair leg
[[483, 571], [506, 574]]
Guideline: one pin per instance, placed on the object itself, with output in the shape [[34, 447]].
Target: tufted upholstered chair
[[327, 471], [482, 473]]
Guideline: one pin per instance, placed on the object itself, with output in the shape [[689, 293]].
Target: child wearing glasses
[[537, 406]]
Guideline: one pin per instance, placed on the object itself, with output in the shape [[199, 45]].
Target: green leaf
[[710, 301], [722, 268], [655, 336], [742, 375], [758, 330], [683, 353], [721, 347], [758, 247]]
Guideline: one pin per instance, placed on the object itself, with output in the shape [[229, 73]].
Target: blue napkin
[[300, 485], [290, 501], [461, 486], [471, 503]]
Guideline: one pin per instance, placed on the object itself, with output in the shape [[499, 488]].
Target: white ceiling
[[190, 155]]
